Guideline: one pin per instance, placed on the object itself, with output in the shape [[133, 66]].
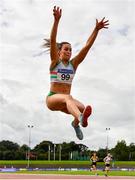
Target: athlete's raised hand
[[102, 24], [57, 13]]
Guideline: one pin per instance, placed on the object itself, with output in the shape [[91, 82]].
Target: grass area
[[15, 162], [6, 162], [100, 173]]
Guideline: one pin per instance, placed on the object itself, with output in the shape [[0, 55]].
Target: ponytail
[[47, 44]]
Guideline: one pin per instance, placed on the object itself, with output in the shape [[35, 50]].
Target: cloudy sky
[[106, 78]]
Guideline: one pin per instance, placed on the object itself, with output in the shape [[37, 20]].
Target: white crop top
[[62, 73]]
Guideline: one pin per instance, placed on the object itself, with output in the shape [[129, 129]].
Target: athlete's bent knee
[[68, 97]]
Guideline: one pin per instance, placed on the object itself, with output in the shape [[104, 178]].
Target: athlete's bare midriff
[[60, 88]]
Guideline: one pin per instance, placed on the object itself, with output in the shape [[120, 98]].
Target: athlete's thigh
[[80, 105], [56, 102]]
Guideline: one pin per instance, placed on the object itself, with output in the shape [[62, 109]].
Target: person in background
[[94, 158], [107, 161]]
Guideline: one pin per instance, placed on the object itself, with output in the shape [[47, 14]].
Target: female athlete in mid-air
[[62, 71]]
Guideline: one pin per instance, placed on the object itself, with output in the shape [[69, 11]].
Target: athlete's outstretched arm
[[53, 45], [82, 54]]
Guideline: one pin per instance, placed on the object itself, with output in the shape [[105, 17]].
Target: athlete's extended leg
[[62, 102], [67, 104], [58, 102]]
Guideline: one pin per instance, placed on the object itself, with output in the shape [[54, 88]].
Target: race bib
[[65, 75]]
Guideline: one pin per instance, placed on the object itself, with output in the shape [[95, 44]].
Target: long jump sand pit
[[6, 176]]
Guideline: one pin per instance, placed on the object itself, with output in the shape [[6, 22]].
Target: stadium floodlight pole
[[107, 140], [60, 148], [54, 152], [28, 156], [48, 152]]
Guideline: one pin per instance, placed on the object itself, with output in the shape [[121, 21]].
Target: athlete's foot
[[84, 116], [78, 131]]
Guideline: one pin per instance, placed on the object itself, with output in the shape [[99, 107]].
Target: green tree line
[[47, 150]]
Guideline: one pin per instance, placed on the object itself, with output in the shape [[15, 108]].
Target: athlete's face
[[65, 52]]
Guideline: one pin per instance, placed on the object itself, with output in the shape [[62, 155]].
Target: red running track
[[5, 176]]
